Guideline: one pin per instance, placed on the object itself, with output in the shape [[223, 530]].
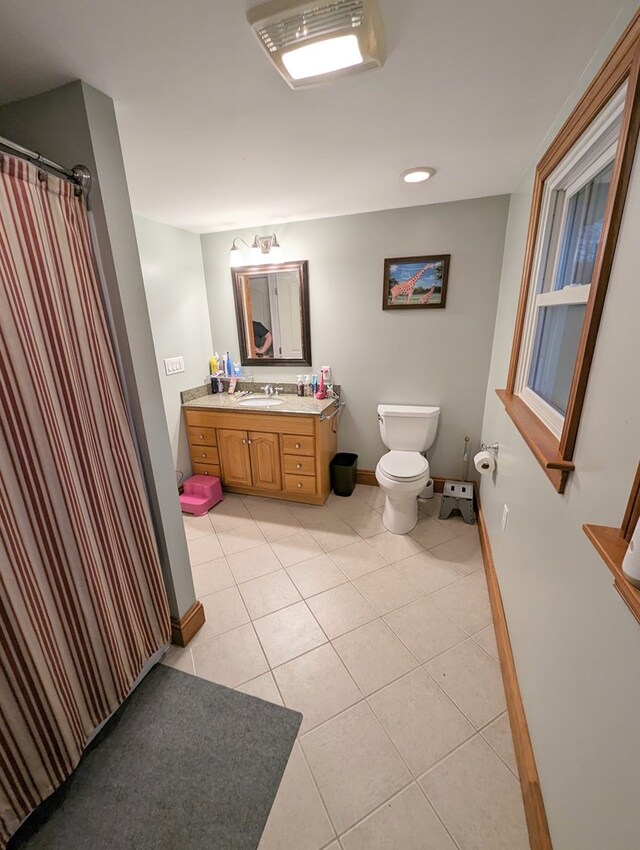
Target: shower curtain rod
[[79, 174]]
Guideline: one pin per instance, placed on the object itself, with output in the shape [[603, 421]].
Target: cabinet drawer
[[202, 436], [299, 484], [295, 445], [205, 454], [299, 465], [206, 469]]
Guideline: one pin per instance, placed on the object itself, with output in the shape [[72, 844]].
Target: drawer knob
[[298, 466], [202, 436], [203, 454], [299, 484], [297, 445]]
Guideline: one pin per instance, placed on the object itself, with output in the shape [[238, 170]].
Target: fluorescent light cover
[[322, 57], [418, 175]]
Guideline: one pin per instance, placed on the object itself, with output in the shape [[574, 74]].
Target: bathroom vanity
[[277, 448]]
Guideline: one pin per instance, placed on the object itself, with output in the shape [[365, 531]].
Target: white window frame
[[593, 151]]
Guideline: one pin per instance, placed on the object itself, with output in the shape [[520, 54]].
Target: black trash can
[[343, 473]]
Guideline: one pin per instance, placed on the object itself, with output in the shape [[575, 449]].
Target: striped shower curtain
[[82, 604]]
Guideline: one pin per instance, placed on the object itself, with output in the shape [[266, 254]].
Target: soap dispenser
[[299, 387]]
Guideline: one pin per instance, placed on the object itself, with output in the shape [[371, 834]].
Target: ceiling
[[214, 139]]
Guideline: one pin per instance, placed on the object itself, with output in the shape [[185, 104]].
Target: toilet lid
[[404, 465]]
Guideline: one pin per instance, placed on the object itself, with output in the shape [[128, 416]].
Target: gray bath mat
[[184, 763]]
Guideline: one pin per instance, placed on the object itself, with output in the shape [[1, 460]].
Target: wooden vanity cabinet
[[282, 456]]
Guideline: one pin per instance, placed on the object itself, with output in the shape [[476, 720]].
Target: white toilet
[[403, 472]]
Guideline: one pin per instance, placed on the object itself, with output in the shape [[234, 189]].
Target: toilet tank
[[408, 428]]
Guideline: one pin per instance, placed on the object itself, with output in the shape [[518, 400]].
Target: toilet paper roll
[[484, 462]]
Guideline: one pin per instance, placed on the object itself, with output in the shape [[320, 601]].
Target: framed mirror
[[272, 311]]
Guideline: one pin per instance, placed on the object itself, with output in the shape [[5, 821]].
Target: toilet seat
[[403, 466]]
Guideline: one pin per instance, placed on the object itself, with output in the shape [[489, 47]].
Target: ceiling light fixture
[[418, 174], [310, 42], [264, 249]]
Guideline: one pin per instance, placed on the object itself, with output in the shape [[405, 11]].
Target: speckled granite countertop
[[291, 404]]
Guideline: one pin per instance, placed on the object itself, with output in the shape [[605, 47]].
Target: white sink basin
[[260, 401]]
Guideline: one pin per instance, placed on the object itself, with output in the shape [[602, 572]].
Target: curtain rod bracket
[[82, 177]]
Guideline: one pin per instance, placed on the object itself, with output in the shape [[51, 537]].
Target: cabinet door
[[233, 447], [265, 460]]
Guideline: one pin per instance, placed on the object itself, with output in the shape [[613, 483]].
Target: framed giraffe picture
[[415, 282]]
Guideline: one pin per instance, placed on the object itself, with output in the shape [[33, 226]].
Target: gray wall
[[438, 357], [576, 645], [177, 299], [77, 124]]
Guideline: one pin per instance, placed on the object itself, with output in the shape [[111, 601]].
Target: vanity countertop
[[290, 404]]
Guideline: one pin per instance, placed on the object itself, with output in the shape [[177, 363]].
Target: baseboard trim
[[183, 630], [368, 476], [539, 837]]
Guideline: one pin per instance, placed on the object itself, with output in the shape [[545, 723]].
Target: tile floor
[[385, 644]]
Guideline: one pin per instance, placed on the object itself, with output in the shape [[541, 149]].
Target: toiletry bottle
[[213, 365], [307, 386], [320, 391], [228, 366], [299, 387], [314, 384]]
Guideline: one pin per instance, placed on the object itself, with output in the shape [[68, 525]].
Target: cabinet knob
[[202, 436], [297, 445], [203, 454], [244, 442], [298, 466], [299, 484]]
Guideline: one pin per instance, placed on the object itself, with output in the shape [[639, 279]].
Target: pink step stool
[[201, 492]]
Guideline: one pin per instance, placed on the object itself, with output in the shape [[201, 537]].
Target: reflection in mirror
[[272, 310]]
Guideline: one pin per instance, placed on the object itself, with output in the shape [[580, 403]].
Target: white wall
[[438, 357], [576, 646], [174, 282]]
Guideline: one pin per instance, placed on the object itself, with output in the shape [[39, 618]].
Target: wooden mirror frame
[[299, 266]]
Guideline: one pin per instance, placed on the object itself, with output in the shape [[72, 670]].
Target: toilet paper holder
[[492, 448]]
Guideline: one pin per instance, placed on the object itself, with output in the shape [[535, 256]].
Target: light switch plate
[[173, 365]]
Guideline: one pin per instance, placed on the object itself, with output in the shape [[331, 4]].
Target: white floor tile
[[366, 522], [229, 513], [424, 629], [355, 765], [394, 547], [374, 656], [230, 659], [357, 559], [406, 822], [421, 721], [316, 575], [253, 563], [223, 611], [268, 593], [196, 526], [462, 552], [298, 818], [498, 734], [426, 571], [295, 548], [472, 679], [211, 576], [466, 602], [288, 633], [341, 609], [180, 658], [318, 685], [478, 799], [386, 589], [332, 532], [205, 548], [487, 639], [263, 687], [430, 532], [245, 536]]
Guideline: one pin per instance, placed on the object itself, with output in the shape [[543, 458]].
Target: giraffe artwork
[[415, 282]]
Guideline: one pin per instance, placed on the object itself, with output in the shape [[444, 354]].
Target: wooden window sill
[[611, 546], [544, 445]]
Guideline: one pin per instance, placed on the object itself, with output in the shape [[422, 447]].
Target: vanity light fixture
[[265, 249], [418, 174], [313, 41]]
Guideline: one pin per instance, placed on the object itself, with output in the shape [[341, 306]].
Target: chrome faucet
[[267, 389], [278, 390]]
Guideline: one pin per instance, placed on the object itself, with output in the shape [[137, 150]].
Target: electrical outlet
[[173, 365], [505, 517]]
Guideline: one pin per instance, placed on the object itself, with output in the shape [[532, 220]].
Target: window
[[572, 215], [577, 206]]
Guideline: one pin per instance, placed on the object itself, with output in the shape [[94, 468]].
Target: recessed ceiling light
[[418, 174]]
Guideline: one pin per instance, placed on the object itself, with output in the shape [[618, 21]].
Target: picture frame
[[415, 283]]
